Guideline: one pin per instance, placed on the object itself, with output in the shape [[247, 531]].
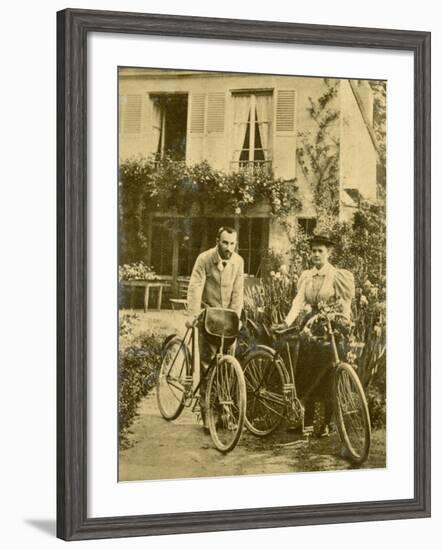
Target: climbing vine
[[318, 153]]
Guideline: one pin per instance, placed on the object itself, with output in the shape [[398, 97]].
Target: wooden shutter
[[132, 114], [284, 153], [197, 113], [215, 112], [285, 111], [121, 103], [195, 125]]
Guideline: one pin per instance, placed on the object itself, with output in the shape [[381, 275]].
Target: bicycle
[[178, 385], [272, 394]]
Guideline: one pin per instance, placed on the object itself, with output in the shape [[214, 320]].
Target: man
[[217, 280]]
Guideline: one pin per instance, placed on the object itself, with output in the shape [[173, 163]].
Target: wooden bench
[[160, 285]]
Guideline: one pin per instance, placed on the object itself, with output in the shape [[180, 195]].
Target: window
[[170, 125], [308, 225], [194, 235], [252, 121], [253, 242]]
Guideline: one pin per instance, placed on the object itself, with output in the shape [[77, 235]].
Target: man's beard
[[225, 255]]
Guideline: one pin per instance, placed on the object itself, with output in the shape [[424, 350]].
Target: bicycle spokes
[[226, 403], [350, 405], [171, 386], [266, 401], [227, 398], [352, 413]]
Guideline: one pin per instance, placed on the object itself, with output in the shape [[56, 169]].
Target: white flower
[[237, 210]]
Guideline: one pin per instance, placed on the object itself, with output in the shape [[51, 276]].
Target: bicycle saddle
[[221, 322]]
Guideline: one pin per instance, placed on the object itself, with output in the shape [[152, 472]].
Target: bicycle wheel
[[170, 385], [226, 403], [265, 378], [351, 411]]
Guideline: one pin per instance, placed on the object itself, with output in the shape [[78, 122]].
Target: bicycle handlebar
[[308, 324], [330, 316]]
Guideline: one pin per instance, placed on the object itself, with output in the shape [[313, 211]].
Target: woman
[[322, 284]]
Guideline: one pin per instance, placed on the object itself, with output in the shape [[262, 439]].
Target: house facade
[[239, 122]]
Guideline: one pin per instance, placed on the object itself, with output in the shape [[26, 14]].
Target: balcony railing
[[253, 166]]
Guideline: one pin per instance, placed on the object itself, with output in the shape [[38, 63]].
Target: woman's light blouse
[[323, 285]]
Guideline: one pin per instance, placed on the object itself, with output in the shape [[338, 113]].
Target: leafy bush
[[375, 390], [299, 251], [139, 364], [271, 261]]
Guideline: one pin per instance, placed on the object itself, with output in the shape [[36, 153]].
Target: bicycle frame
[[270, 373], [290, 389], [192, 343]]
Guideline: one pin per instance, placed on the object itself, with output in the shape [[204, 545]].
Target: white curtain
[[264, 112], [241, 117], [156, 125]]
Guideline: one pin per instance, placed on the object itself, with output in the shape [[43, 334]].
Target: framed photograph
[[243, 274]]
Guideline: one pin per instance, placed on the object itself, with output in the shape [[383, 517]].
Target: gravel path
[[181, 449]]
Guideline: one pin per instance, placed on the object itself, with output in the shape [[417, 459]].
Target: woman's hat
[[321, 238]]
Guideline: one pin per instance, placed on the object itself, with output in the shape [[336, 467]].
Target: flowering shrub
[[136, 271], [318, 329], [139, 364], [148, 185], [127, 322], [171, 184]]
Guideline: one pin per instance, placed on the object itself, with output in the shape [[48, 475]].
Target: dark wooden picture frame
[[73, 27]]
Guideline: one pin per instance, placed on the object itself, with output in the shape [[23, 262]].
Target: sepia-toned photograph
[[252, 274]]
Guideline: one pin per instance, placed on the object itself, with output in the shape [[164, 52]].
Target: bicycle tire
[[351, 413], [170, 386], [265, 377], [226, 403]]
